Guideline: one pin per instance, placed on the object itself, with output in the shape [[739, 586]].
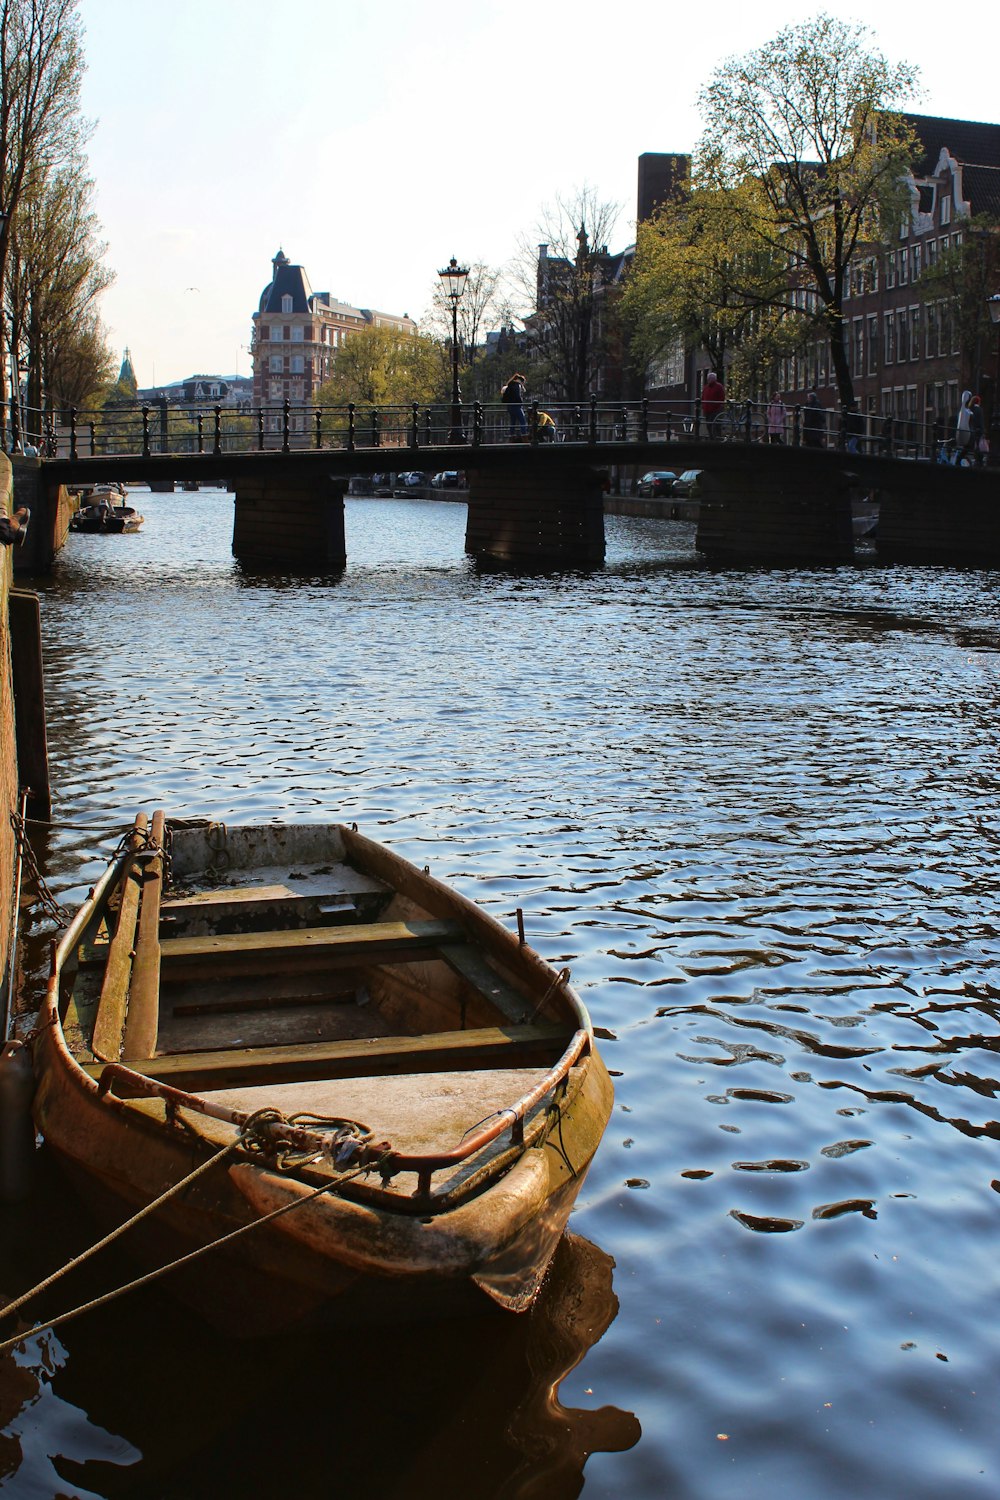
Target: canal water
[[756, 814]]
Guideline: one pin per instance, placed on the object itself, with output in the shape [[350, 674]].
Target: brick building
[[908, 356], [296, 334]]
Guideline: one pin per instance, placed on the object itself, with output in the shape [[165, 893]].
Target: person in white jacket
[[964, 435]]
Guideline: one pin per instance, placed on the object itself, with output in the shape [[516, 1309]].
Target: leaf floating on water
[[864, 1206], [761, 1096], [604, 1035], [636, 1182], [775, 1164], [844, 1148], [698, 1174], [765, 1225]]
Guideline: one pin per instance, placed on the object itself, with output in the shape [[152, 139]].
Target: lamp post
[[993, 303], [453, 278]]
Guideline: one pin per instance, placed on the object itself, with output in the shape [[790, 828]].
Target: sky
[[371, 140]]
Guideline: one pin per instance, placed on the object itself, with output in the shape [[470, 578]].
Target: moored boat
[[103, 510], [289, 1035]]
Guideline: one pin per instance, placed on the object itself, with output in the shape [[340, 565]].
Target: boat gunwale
[[581, 1043]]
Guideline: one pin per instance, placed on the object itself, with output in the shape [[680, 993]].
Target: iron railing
[[162, 429]]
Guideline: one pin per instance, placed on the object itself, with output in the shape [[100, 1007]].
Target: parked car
[[656, 482], [446, 480], [688, 484], [411, 480]]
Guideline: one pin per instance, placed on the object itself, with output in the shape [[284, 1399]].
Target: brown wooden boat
[[391, 1098]]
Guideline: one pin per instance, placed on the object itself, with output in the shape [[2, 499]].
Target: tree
[[705, 276], [813, 119], [55, 276], [565, 280], [480, 301], [385, 367], [41, 128]]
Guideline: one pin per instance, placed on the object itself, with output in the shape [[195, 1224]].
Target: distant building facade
[[296, 335], [906, 349]]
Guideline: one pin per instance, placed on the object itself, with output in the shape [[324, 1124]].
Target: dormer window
[[286, 303]]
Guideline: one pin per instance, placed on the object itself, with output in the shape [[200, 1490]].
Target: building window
[[945, 217], [931, 331], [873, 345], [890, 268], [914, 332], [298, 364], [858, 364], [917, 257], [275, 390], [297, 332], [902, 335], [904, 266], [276, 363], [889, 339], [286, 304]]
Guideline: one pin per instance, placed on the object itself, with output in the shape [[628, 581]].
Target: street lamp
[[993, 303], [453, 278]]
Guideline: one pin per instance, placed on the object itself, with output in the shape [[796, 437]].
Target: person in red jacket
[[713, 399]]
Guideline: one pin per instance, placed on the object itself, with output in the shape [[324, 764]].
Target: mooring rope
[[183, 1260]]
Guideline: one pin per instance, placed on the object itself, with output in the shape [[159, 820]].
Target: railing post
[[415, 426], [145, 432], [217, 444], [623, 425], [285, 445], [72, 432], [644, 421], [350, 427], [593, 420], [428, 427], [93, 439], [201, 432], [577, 424], [260, 429], [797, 427], [319, 428], [747, 420], [477, 424], [376, 438], [534, 423]]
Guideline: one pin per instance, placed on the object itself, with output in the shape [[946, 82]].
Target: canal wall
[[8, 754], [51, 511]]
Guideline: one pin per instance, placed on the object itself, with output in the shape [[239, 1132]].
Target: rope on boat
[[183, 1260]]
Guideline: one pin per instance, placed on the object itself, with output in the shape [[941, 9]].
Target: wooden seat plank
[[256, 952], [433, 1053]]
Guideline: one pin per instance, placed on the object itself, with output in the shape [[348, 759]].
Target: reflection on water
[[756, 814], [144, 1399]]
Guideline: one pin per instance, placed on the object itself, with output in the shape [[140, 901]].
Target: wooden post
[[142, 1019], [109, 1025]]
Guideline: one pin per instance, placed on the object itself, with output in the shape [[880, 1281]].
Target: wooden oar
[[142, 1020], [110, 1022]]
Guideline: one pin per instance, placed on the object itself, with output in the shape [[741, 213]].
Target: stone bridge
[[537, 504]]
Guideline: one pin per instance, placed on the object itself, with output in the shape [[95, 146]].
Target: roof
[[288, 281], [981, 186], [966, 140]]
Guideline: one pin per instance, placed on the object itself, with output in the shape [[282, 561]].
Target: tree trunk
[[841, 362]]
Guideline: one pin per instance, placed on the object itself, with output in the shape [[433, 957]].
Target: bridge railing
[[403, 430]]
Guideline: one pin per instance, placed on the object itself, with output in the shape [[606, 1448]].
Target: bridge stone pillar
[[762, 514], [537, 516], [289, 521], [926, 523]]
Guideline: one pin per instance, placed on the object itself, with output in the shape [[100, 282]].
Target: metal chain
[[46, 900]]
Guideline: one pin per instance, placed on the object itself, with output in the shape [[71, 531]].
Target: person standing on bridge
[[964, 436], [512, 396], [713, 399], [813, 422], [776, 416]]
